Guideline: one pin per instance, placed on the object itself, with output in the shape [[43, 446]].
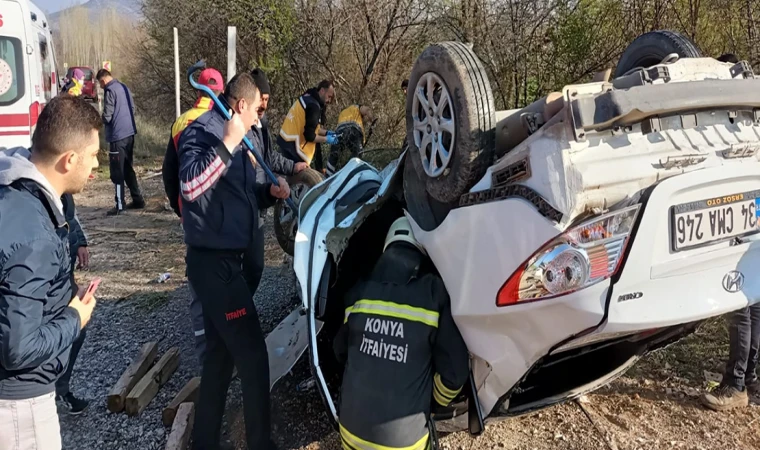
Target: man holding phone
[[40, 315]]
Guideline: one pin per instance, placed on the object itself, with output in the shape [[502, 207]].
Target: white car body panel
[[478, 247]]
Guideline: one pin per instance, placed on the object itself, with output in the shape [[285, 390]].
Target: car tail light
[[578, 258], [34, 114]]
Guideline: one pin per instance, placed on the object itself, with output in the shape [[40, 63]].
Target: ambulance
[[27, 70]]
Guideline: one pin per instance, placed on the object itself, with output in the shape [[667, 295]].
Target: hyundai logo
[[733, 281]]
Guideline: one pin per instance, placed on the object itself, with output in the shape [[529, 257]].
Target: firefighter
[[303, 130], [221, 200], [402, 350], [213, 80], [353, 126]]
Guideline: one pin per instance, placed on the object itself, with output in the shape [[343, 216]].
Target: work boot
[[114, 211], [74, 406], [725, 397], [137, 203], [753, 386]]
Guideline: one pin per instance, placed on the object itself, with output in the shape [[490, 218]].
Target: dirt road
[[655, 406]]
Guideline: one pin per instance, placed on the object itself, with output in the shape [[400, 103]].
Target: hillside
[[128, 9]]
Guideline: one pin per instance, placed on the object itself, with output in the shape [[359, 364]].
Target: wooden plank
[[182, 427], [189, 393], [136, 370], [147, 388]]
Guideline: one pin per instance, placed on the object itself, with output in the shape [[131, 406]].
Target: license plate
[[716, 219]]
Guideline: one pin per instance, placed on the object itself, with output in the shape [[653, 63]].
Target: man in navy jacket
[[119, 120], [221, 200], [40, 315]]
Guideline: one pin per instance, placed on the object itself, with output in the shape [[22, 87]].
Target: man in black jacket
[[402, 350], [40, 315], [276, 161], [78, 251], [221, 201]]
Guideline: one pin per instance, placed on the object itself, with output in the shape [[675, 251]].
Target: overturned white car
[[573, 236]]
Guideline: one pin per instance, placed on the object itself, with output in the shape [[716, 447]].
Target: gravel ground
[[654, 406]]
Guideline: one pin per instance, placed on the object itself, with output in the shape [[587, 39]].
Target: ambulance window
[[11, 71], [47, 69]]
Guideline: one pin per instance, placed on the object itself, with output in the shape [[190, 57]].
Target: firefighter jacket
[[402, 351], [170, 170], [301, 127]]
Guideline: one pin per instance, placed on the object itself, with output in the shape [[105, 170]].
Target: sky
[[52, 6]]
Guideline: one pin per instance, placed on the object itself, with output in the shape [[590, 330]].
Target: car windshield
[[11, 71]]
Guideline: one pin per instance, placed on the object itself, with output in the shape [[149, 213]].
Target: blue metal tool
[[220, 106]]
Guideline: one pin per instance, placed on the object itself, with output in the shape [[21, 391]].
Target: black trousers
[[233, 337], [62, 384], [121, 156], [744, 342]]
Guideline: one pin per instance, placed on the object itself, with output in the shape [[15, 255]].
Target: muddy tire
[[285, 220], [450, 120], [424, 209], [651, 48]]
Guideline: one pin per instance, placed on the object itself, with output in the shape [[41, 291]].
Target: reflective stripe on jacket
[[296, 135], [402, 351]]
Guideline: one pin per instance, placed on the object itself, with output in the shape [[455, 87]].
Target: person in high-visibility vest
[[353, 124], [75, 84], [213, 80], [303, 130]]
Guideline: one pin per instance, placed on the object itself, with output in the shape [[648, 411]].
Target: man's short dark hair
[[241, 86], [405, 84], [325, 84], [102, 73], [729, 58], [66, 123]]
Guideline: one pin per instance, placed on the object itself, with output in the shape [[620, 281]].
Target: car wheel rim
[[287, 215], [434, 123]]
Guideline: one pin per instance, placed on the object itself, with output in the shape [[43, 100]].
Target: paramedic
[[221, 201], [303, 130], [213, 80], [353, 124], [402, 350]]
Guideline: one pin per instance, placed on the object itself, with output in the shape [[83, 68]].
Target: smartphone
[[92, 287]]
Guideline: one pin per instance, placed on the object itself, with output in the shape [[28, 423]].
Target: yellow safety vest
[[292, 130], [352, 115], [76, 90]]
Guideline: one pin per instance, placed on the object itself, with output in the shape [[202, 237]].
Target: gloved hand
[[332, 139], [331, 133]]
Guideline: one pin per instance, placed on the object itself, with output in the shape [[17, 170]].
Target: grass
[[150, 144]]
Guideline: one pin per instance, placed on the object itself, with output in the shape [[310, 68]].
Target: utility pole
[[176, 69], [231, 52]]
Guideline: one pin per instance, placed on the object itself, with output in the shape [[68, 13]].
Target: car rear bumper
[[659, 286]]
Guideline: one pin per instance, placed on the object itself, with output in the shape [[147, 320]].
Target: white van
[[27, 70]]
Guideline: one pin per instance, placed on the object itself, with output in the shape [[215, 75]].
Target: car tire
[[453, 78], [285, 230], [651, 48], [426, 211]]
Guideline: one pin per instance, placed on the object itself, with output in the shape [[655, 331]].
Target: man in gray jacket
[[119, 121]]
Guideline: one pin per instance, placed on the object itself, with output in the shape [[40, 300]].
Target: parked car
[[27, 70], [90, 87], [574, 236]]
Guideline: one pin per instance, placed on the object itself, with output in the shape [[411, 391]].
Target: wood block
[[130, 377], [182, 427], [147, 388], [189, 393]]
